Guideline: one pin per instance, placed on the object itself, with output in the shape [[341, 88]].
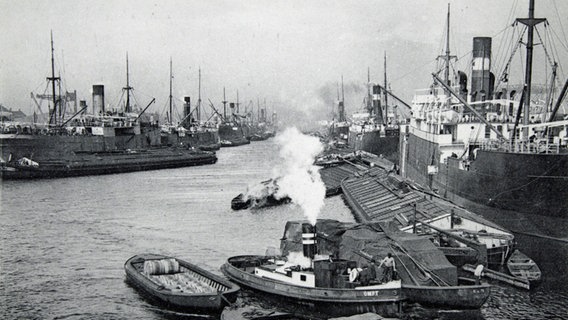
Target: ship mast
[[224, 106], [238, 102], [257, 110], [447, 57], [171, 97], [385, 93], [127, 88], [199, 98], [342, 103], [369, 102], [530, 22], [53, 78]]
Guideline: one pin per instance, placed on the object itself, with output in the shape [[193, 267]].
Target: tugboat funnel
[[309, 240]]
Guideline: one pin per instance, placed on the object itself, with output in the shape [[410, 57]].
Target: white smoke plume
[[299, 177]]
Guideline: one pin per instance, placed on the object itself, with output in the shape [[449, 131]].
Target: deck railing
[[536, 146]]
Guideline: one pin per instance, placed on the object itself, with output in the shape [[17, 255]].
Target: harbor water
[[63, 242]]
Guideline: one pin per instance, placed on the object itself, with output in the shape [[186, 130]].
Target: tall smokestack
[[309, 240], [481, 86], [186, 111], [377, 105], [98, 99]]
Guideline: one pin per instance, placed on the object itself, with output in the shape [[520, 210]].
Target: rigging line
[[556, 53], [512, 14], [505, 48], [561, 43], [544, 47], [519, 42], [559, 21], [413, 71]]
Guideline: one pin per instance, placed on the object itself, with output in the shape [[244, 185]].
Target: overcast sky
[[291, 53]]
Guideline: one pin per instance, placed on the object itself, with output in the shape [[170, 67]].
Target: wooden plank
[[488, 273]]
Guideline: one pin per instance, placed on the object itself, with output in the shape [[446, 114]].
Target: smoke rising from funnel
[[300, 179]]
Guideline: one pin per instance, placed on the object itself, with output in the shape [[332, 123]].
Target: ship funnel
[[98, 99], [481, 77], [309, 241], [186, 111], [377, 110], [83, 106]]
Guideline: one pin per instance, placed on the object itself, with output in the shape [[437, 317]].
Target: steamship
[[338, 131], [102, 142], [190, 131], [232, 131], [377, 130], [495, 145]]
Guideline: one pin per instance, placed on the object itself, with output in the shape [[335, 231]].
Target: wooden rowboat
[[179, 284], [523, 267]]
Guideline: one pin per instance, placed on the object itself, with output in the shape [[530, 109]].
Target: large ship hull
[[376, 143], [522, 182], [232, 135], [61, 146], [204, 140], [108, 163]]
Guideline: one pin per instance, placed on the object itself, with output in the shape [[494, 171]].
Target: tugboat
[[495, 145], [331, 267], [319, 282]]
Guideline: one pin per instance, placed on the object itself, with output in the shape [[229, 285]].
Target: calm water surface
[[63, 242]]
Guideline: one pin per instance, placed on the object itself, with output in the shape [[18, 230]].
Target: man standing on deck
[[389, 267], [478, 273]]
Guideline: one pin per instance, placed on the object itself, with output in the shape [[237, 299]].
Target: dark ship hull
[[385, 144], [232, 135], [522, 182], [204, 140], [62, 145], [108, 163]]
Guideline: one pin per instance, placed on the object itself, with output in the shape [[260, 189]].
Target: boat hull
[[234, 142], [109, 163], [233, 135], [526, 183], [37, 146], [460, 297], [522, 267], [376, 143], [204, 140], [331, 301], [207, 302]]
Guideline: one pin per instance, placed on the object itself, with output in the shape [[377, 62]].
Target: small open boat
[[179, 284], [523, 267]]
